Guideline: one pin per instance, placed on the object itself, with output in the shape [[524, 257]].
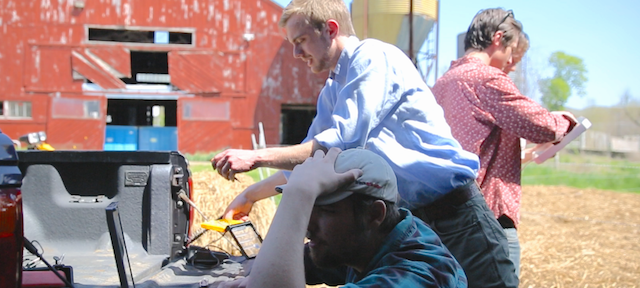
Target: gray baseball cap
[[377, 180]]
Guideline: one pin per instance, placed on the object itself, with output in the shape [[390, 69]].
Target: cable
[[32, 249], [183, 196], [196, 235], [222, 235]]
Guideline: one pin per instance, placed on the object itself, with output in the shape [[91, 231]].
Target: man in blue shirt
[[376, 99], [345, 203]]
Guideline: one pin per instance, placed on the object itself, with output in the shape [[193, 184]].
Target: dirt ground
[[579, 238], [570, 237]]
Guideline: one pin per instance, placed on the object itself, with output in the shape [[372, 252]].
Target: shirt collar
[[464, 60], [339, 73]]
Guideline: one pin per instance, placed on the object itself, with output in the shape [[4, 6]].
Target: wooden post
[[411, 31], [437, 38]]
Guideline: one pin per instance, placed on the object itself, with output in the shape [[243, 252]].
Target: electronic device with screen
[[119, 246], [245, 236]]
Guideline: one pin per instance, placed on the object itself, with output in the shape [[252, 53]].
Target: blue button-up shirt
[[412, 255], [376, 99]]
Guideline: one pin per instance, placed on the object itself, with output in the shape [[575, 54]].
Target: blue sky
[[604, 34]]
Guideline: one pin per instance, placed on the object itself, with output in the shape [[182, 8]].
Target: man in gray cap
[[345, 204]]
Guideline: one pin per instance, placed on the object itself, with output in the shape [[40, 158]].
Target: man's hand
[[317, 175], [567, 115], [529, 154], [242, 204], [233, 161], [239, 208]]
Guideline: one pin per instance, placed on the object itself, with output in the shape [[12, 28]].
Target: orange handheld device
[[219, 225]]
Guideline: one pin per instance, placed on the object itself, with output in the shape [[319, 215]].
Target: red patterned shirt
[[488, 116]]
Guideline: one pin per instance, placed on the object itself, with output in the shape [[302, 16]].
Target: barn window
[[206, 111], [294, 122], [149, 67], [15, 109], [67, 108], [140, 36]]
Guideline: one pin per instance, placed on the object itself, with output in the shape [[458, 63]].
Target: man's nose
[[297, 51]]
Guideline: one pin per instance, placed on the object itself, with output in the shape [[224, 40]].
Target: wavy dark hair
[[486, 23]]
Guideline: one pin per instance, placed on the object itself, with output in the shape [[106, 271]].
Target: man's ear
[[333, 28], [497, 38], [377, 212]]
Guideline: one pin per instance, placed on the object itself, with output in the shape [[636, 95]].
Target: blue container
[[121, 138], [158, 139]]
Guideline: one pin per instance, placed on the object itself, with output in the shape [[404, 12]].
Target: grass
[[574, 170], [585, 171], [201, 157]]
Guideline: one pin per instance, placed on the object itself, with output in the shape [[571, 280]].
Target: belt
[[445, 206], [506, 222]]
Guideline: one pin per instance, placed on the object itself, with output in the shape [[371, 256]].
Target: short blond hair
[[318, 12], [523, 44]]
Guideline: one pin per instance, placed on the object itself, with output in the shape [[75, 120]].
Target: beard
[[329, 258], [325, 258], [331, 255], [321, 64]]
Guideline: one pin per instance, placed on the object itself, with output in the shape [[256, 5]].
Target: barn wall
[[238, 56]]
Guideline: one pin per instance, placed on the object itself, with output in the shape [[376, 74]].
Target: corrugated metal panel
[[118, 58], [45, 70], [85, 134], [89, 68], [288, 81], [206, 71], [190, 76], [205, 136], [424, 7], [388, 21], [202, 135]]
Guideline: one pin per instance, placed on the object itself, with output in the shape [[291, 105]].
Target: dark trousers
[[476, 240]]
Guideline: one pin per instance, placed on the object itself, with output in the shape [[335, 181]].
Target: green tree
[[569, 77]]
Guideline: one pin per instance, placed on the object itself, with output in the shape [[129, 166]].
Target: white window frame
[[16, 109]]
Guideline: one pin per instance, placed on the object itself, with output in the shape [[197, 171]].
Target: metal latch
[[178, 176]]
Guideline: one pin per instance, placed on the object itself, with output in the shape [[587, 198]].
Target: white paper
[[582, 125]]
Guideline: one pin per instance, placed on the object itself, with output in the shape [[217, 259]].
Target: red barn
[[192, 75]]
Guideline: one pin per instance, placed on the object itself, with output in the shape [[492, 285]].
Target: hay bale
[[212, 194]]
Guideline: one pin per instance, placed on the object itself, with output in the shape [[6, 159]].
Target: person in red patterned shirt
[[488, 115]]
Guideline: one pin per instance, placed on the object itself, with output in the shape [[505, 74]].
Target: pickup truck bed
[[65, 194]]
